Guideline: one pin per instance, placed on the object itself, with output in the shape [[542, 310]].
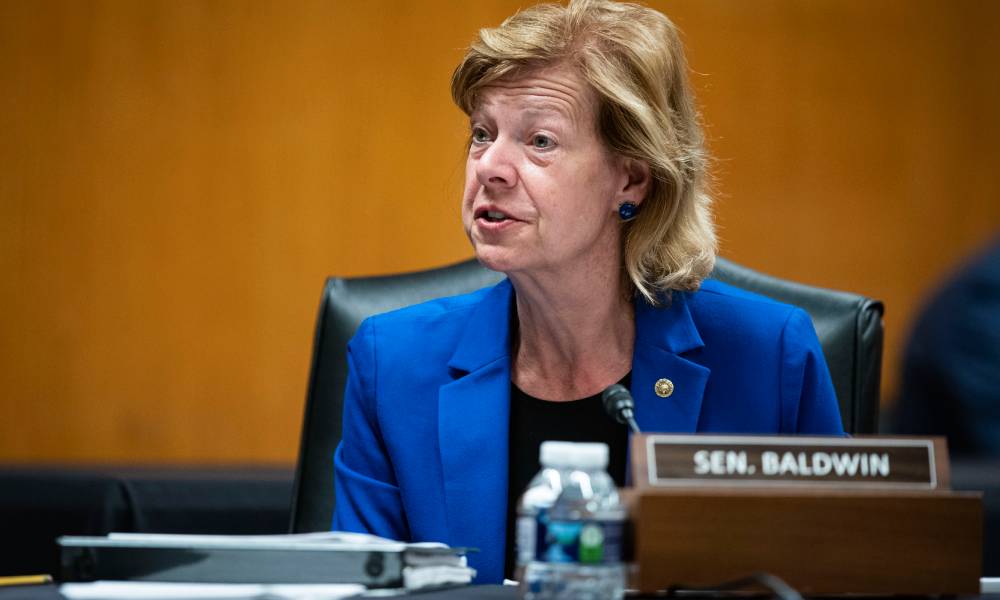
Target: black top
[[533, 421]]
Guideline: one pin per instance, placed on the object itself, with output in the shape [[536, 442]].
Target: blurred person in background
[[951, 364]]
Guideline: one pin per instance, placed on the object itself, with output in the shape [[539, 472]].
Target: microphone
[[619, 405]]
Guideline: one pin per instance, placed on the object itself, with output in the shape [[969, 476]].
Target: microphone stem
[[630, 419]]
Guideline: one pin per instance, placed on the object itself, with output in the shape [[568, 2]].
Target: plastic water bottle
[[570, 527]]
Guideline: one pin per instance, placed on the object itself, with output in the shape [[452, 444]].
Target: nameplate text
[[885, 462]]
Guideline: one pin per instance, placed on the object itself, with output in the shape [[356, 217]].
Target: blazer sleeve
[[368, 498], [808, 400]]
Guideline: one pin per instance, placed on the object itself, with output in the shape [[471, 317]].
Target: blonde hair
[[633, 58]]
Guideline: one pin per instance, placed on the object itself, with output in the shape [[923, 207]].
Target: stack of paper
[[156, 590]]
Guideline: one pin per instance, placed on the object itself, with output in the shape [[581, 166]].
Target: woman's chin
[[500, 260]]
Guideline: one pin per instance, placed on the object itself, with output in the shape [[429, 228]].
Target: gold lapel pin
[[663, 388]]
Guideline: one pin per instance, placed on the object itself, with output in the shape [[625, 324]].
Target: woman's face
[[541, 191]]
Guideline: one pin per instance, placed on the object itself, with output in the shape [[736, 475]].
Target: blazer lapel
[[662, 335], [473, 419]]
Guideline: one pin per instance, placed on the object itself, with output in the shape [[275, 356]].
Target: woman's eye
[[542, 142], [480, 135]]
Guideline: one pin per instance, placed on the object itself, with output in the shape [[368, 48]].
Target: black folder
[[244, 559]]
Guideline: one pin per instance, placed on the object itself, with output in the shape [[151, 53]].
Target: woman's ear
[[637, 180]]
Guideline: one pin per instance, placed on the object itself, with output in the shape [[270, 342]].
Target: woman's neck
[[575, 334]]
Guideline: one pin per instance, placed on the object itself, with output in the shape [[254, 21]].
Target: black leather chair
[[849, 328]]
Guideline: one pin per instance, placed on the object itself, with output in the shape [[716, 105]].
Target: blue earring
[[627, 211]]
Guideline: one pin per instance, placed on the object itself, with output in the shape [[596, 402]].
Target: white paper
[[423, 577], [989, 585], [153, 590]]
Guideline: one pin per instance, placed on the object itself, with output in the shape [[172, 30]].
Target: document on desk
[[311, 558], [155, 590]]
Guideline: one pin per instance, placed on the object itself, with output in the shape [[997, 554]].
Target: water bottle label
[[590, 542]]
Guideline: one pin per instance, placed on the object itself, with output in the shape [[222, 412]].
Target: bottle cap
[[574, 454]]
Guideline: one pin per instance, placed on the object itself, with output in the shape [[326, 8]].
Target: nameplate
[[798, 461]]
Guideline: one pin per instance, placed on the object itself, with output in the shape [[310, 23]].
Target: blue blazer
[[424, 450]]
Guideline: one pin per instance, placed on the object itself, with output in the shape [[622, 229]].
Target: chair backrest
[[849, 328]]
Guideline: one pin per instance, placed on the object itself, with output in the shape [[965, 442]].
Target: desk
[[38, 504], [486, 592]]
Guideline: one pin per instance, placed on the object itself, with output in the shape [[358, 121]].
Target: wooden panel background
[[177, 178]]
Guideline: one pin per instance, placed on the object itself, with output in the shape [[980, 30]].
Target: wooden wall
[[178, 177]]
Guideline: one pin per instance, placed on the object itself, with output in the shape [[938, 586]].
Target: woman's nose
[[495, 167]]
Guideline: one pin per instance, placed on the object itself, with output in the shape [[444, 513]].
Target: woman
[[585, 185]]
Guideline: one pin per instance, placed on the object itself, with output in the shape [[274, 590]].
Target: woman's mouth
[[490, 221], [492, 215]]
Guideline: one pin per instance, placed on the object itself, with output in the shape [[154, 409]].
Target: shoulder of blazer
[[721, 307], [429, 332]]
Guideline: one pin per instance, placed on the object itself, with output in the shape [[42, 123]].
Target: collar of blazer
[[473, 410]]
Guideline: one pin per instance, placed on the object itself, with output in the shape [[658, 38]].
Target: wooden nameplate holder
[[866, 515]]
